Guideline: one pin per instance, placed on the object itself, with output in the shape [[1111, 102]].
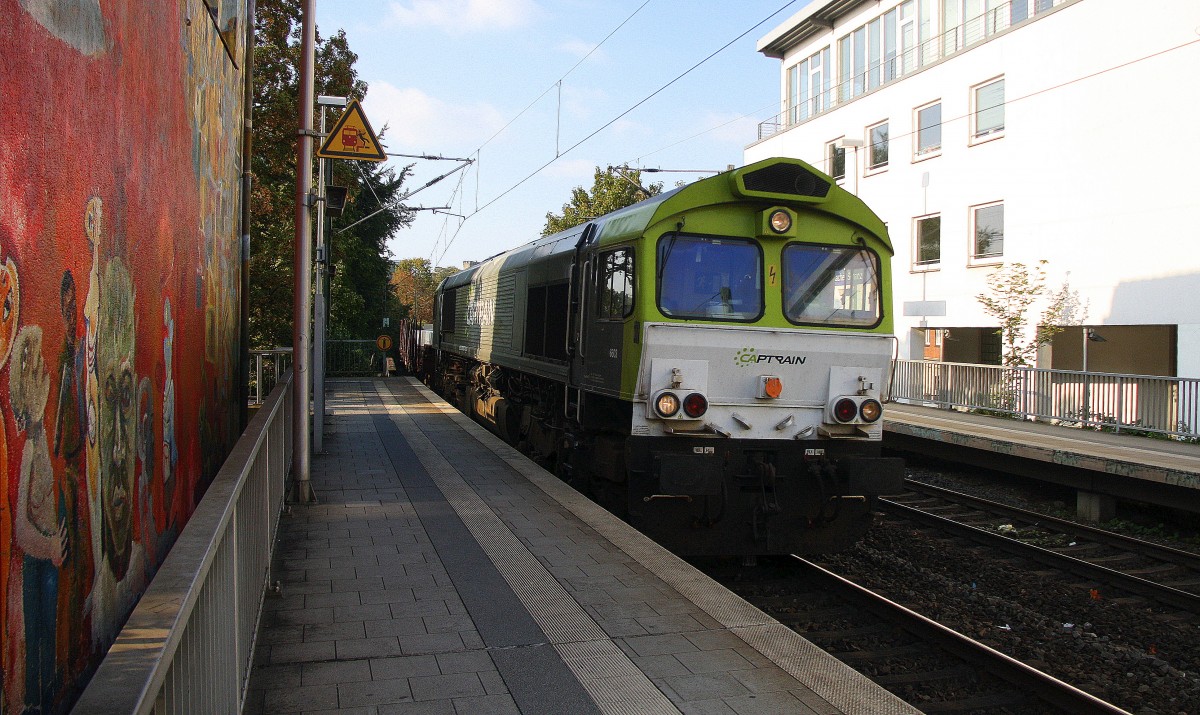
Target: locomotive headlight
[[845, 410], [667, 404], [695, 405], [780, 221], [870, 410]]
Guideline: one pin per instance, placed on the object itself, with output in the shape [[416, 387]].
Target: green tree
[[414, 281], [1013, 290], [613, 188], [359, 258]]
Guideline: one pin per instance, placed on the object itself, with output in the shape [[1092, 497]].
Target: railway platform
[[440, 571], [1102, 466]]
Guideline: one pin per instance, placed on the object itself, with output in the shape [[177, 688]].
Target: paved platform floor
[[443, 572]]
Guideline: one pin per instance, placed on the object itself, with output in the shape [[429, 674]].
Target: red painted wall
[[120, 136]]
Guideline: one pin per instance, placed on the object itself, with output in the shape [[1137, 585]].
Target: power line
[[631, 108], [558, 82]]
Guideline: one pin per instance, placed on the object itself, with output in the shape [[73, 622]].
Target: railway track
[[1163, 574], [928, 665]]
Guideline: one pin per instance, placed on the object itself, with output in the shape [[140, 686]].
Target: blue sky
[[446, 76]]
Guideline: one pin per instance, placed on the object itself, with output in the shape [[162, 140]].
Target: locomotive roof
[[773, 181]]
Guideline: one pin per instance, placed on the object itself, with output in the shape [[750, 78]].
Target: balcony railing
[[1119, 403], [970, 32]]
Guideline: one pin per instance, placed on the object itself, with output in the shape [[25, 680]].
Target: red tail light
[[845, 410], [695, 405]]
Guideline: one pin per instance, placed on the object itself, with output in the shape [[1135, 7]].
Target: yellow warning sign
[[383, 342], [352, 137]]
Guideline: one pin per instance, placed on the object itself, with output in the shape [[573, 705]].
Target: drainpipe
[[247, 145]]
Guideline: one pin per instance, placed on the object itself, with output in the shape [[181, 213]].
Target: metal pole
[[244, 288], [319, 309], [301, 308]]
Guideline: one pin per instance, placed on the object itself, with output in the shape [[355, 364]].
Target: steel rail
[[1044, 686], [1133, 584], [1096, 534]]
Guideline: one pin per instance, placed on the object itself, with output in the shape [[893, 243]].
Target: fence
[[269, 365], [352, 358], [1143, 403], [188, 645]]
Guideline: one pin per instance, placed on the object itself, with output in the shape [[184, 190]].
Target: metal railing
[[1120, 403], [965, 34], [352, 358], [268, 366], [188, 645]]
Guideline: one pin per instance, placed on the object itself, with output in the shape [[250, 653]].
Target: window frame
[[831, 150], [918, 154], [919, 266], [876, 266], [871, 168], [976, 137], [990, 259], [604, 281], [659, 271]]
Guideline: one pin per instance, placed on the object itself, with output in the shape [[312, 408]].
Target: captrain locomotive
[[707, 363]]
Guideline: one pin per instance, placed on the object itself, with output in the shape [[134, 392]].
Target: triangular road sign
[[352, 137]]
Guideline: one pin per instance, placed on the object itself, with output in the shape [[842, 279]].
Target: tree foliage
[[1013, 291], [414, 281], [359, 258], [613, 188]]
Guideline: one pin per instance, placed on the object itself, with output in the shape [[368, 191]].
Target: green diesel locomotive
[[709, 364]]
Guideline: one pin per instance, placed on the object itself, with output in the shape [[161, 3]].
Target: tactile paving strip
[[828, 678], [614, 682]]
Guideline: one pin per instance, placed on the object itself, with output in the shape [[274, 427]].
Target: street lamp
[[1089, 336]]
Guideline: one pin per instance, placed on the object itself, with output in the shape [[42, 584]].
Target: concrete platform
[[1158, 471], [443, 572]]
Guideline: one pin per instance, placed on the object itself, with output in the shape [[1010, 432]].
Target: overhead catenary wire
[[617, 118]]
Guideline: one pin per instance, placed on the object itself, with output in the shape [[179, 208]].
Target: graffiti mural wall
[[120, 139]]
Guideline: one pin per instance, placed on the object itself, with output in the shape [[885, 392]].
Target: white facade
[[1091, 156]]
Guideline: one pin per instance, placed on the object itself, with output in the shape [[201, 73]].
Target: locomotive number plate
[[814, 453], [704, 450]]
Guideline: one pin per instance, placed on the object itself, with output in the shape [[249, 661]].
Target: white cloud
[[463, 16], [420, 123]]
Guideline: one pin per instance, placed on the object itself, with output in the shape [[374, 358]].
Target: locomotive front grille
[[790, 179]]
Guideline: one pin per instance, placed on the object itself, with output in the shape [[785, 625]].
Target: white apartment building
[[986, 133]]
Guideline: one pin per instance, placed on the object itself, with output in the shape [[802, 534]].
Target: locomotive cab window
[[709, 278], [831, 285], [614, 285]]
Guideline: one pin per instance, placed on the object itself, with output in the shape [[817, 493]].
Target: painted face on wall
[[10, 307], [118, 413]]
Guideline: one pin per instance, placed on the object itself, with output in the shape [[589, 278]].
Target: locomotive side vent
[[786, 179]]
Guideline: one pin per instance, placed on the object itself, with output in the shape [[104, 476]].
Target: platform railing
[[1109, 401], [352, 358], [188, 645], [267, 366]]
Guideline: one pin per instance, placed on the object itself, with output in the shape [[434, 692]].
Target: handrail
[[188, 645], [1109, 401]]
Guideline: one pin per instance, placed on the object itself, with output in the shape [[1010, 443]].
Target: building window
[[835, 158], [615, 285], [877, 157], [807, 84], [988, 231], [928, 233], [988, 117], [929, 129]]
